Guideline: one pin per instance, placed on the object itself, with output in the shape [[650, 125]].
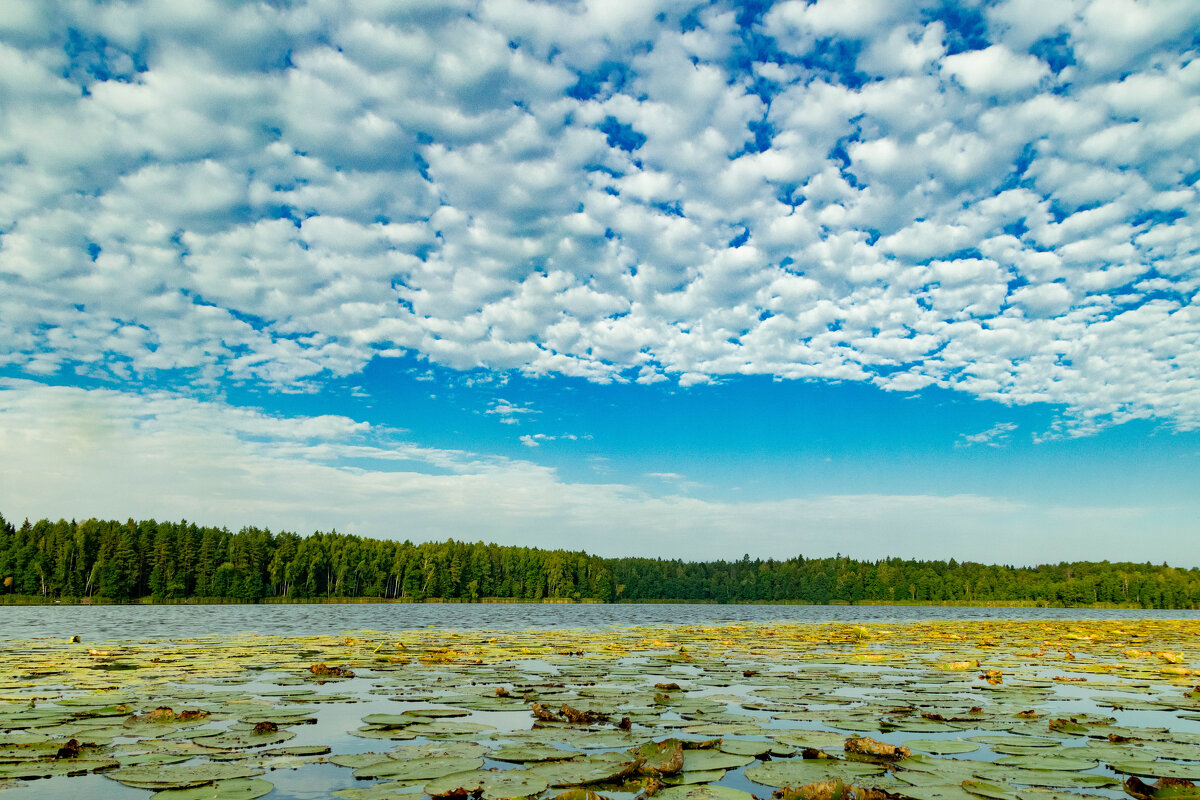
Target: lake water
[[832, 692], [99, 623]]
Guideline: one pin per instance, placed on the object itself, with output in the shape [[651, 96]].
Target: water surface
[[99, 623]]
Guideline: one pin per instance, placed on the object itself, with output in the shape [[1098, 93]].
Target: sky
[[636, 277]]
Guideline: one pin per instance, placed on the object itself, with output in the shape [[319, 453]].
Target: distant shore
[[35, 600]]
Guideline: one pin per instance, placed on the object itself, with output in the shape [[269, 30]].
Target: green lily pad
[[989, 790], [382, 791], [437, 713], [493, 784], [703, 792], [746, 747], [1056, 779], [1017, 741], [447, 728], [942, 791], [236, 789], [357, 760], [417, 769], [520, 754], [513, 783], [29, 770], [390, 720], [818, 740], [798, 772], [593, 768], [244, 740], [443, 749], [298, 750], [688, 778], [180, 776], [703, 760], [941, 747], [1049, 761], [1157, 769]]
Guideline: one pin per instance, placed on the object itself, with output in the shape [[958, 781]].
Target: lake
[[99, 623], [1022, 698]]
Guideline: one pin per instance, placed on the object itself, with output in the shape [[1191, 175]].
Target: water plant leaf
[[687, 778], [592, 768], [382, 791], [180, 776], [236, 789], [702, 792], [747, 747], [798, 772], [1059, 760], [992, 791], [941, 747], [528, 753], [416, 769], [829, 790], [491, 784], [1157, 769]]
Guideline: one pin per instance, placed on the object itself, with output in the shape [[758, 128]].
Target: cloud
[[996, 436], [78, 453], [995, 70], [986, 201], [537, 439], [509, 413]]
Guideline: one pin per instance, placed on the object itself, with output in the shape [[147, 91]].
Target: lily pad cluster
[[927, 711]]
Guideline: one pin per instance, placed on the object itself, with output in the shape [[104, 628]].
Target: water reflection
[[98, 623]]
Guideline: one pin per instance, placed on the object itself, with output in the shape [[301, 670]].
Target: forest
[[111, 561]]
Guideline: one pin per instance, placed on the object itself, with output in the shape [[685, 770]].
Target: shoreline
[[34, 600]]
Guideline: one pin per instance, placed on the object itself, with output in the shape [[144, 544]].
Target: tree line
[[175, 561]]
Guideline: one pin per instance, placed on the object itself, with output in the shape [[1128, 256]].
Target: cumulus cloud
[[76, 453], [996, 436], [509, 413], [995, 70], [996, 202]]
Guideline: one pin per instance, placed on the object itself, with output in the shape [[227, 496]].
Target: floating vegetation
[[925, 711]]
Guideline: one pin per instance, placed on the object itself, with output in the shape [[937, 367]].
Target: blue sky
[[664, 278]]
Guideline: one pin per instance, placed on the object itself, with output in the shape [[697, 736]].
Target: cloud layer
[[997, 199]]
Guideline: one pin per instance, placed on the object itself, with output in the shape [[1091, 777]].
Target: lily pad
[[521, 754], [594, 768], [703, 792], [941, 747], [1157, 769], [1049, 761], [417, 769], [181, 776], [382, 791], [746, 747], [492, 784], [236, 789], [989, 790], [798, 772], [688, 778]]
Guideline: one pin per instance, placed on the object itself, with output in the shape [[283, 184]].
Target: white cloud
[[77, 453], [509, 413], [995, 70], [281, 193], [996, 436]]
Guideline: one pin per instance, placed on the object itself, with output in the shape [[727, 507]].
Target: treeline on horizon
[[177, 561]]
